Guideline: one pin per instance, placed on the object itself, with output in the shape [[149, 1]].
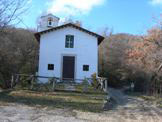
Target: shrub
[[140, 84], [114, 79], [51, 80], [85, 84], [95, 82]]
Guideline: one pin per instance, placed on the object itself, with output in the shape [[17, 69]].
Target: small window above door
[[69, 41]]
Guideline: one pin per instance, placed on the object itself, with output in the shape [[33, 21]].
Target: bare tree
[[10, 10]]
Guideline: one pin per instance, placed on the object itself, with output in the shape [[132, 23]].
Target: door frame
[[75, 65]]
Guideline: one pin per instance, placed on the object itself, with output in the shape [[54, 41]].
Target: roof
[[50, 15], [100, 38]]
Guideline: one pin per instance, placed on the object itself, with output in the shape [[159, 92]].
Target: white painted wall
[[52, 48]]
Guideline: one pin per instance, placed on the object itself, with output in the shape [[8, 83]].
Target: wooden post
[[106, 85], [32, 82], [54, 83], [105, 89], [12, 81], [160, 89], [17, 79], [102, 84]]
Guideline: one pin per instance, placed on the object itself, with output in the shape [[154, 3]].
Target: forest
[[123, 57], [126, 58]]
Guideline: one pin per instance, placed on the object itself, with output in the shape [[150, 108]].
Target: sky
[[123, 16]]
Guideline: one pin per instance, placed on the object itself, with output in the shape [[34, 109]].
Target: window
[[85, 67], [50, 21], [50, 66], [69, 42]]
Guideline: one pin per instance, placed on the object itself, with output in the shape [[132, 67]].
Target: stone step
[[70, 88]]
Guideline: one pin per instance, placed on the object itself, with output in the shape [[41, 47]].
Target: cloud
[[29, 1], [156, 2], [73, 7]]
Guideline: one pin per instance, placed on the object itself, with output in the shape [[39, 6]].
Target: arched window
[[50, 21]]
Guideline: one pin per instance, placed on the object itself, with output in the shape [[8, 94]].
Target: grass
[[153, 99], [156, 100], [90, 101]]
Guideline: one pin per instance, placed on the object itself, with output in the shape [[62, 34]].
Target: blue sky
[[124, 16]]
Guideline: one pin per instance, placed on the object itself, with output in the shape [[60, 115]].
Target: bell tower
[[46, 22]]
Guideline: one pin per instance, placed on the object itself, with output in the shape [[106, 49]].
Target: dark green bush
[[115, 79]]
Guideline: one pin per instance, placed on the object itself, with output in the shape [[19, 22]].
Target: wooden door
[[68, 67]]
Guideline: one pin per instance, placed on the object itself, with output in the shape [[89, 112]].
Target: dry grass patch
[[156, 100], [60, 99]]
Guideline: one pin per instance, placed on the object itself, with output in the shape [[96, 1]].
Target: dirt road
[[127, 109], [133, 109]]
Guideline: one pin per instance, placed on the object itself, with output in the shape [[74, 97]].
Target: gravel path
[[128, 109], [133, 109]]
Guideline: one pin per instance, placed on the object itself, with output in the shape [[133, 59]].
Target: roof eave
[[100, 39], [37, 36]]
